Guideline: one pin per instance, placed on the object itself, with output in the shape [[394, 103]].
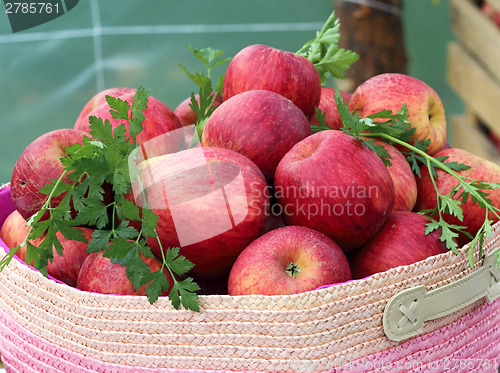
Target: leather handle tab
[[406, 312]]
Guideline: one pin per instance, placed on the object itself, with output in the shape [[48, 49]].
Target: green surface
[[48, 73], [427, 32]]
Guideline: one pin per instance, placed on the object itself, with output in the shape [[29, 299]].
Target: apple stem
[[292, 269]]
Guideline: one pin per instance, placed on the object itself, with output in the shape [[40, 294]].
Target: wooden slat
[[477, 33], [495, 4], [465, 134], [474, 85]]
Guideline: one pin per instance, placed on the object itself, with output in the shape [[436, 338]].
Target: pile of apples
[[263, 205]]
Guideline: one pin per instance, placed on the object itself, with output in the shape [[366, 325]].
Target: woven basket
[[46, 326]]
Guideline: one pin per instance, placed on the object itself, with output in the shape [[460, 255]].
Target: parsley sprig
[[211, 58], [323, 51], [95, 169], [395, 129]]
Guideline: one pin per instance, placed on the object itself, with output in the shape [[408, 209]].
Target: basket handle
[[406, 311]]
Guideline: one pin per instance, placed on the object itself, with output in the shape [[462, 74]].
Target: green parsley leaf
[[51, 188], [320, 118], [139, 105], [100, 240], [126, 209], [120, 108], [177, 263], [324, 53], [185, 292], [395, 129], [451, 205], [157, 284], [149, 222], [100, 159], [211, 58]]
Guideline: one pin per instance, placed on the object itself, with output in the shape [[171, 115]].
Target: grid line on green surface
[[164, 29], [97, 31]]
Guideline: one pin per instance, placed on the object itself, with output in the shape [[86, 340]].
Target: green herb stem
[[324, 53], [31, 221], [164, 262], [439, 164]]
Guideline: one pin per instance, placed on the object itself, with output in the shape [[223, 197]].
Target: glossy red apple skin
[[99, 275], [480, 169], [390, 91], [403, 178], [186, 114], [259, 124], [263, 67], [13, 232], [328, 106], [261, 267], [333, 183], [100, 98], [64, 268], [159, 118], [400, 241], [211, 202], [37, 164]]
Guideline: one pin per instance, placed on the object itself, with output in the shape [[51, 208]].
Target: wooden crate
[[477, 33], [466, 134], [474, 74]]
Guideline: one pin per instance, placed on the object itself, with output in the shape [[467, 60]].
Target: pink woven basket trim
[[482, 331], [26, 352], [464, 337], [474, 336], [492, 353], [21, 345], [470, 341]]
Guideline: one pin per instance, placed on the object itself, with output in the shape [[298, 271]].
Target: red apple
[[159, 118], [333, 183], [259, 124], [403, 178], [39, 163], [66, 268], [480, 169], [400, 241], [328, 106], [100, 99], [286, 73], [390, 91], [288, 260], [211, 202], [186, 114], [98, 274], [14, 231]]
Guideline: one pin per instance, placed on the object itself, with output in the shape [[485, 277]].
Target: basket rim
[[163, 301]]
